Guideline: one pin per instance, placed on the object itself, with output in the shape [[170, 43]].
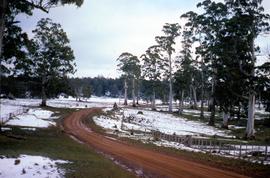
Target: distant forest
[[98, 86]]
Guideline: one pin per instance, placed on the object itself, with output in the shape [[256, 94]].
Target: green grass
[[55, 144]]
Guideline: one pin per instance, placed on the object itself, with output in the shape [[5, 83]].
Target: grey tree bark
[[133, 93], [212, 102], [180, 109], [154, 100], [43, 91], [170, 84], [125, 88], [202, 94], [226, 116], [251, 111], [138, 92], [251, 99], [194, 97]]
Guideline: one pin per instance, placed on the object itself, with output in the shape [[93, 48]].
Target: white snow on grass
[[169, 124], [40, 113], [107, 122], [35, 117], [26, 166], [7, 110], [176, 145], [28, 120]]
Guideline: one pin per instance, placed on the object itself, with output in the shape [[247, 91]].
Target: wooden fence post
[[265, 159], [240, 151]]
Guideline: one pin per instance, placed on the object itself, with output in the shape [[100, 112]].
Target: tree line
[[43, 59], [217, 62]]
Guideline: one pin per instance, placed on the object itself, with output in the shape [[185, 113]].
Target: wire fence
[[249, 152], [4, 118]]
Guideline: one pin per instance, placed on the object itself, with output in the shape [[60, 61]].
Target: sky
[[100, 30]]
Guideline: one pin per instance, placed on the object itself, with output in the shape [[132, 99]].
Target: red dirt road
[[154, 163]]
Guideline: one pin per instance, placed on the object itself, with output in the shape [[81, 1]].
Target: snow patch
[[28, 120], [26, 166]]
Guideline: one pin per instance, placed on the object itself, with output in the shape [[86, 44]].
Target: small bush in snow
[[17, 161]]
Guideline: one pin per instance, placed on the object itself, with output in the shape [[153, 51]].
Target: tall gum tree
[[166, 43], [50, 55], [27, 6], [251, 17], [130, 66], [151, 69]]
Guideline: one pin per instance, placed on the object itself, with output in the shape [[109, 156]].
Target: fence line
[[6, 117], [255, 153]]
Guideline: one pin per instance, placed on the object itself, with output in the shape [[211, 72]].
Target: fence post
[[240, 151], [265, 159], [219, 146]]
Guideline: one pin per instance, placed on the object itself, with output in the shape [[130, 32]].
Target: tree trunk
[[194, 97], [138, 92], [43, 92], [251, 99], [202, 94], [133, 93], [125, 88], [154, 100], [212, 104], [3, 6], [190, 96], [251, 111], [239, 112], [226, 116], [259, 102], [180, 109], [170, 84]]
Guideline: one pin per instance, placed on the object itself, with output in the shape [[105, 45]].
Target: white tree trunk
[[194, 97], [43, 92], [180, 110], [133, 93], [212, 101], [251, 111], [125, 88], [226, 117], [251, 99], [170, 85], [154, 100]]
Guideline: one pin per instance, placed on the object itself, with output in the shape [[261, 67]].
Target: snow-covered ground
[[156, 121], [125, 123], [26, 166], [33, 118]]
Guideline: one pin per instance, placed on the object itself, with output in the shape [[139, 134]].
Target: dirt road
[[153, 164]]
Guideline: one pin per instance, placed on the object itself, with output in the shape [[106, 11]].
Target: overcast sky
[[101, 30]]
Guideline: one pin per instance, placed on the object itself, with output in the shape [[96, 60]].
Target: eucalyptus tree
[[166, 43], [130, 66], [51, 55], [211, 21], [251, 22], [196, 24], [151, 69], [27, 7]]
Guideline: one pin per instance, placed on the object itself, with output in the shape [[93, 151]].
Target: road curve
[[155, 163]]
